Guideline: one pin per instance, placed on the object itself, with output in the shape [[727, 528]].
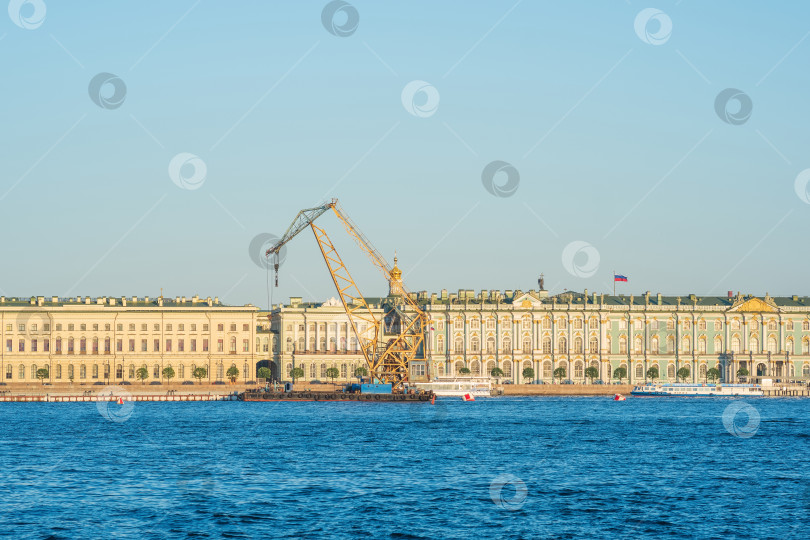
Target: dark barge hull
[[333, 396]]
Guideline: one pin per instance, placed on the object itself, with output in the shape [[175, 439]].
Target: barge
[[698, 390], [262, 395]]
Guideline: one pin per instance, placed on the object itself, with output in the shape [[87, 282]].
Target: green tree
[[464, 371], [528, 373], [592, 373], [200, 373], [296, 373], [713, 374], [682, 374], [742, 372], [142, 374], [620, 373], [168, 374], [360, 372], [332, 373], [232, 373], [496, 372], [559, 373], [265, 373], [652, 373], [42, 374]]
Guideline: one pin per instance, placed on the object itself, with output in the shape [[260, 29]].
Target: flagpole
[[614, 283]]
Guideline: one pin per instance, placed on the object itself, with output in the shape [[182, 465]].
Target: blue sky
[[616, 141]]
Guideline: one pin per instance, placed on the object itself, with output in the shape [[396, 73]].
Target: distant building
[[106, 340], [514, 330]]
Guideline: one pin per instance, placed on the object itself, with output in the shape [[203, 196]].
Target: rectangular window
[[33, 328], [22, 345], [157, 327], [193, 345], [193, 327], [181, 327], [120, 327], [107, 327], [205, 328], [157, 345], [131, 345], [70, 327], [205, 345], [143, 327], [46, 345], [233, 327], [143, 345], [245, 345], [168, 345], [220, 327], [245, 327], [180, 345], [131, 327], [168, 327], [119, 345], [33, 345], [8, 328], [46, 327], [21, 327], [220, 346]]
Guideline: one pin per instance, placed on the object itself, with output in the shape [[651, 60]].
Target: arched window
[[594, 345], [654, 345], [312, 346], [181, 371], [546, 323], [718, 325], [313, 370], [82, 371], [771, 325], [458, 366], [735, 344], [622, 345], [95, 345], [670, 371], [718, 345], [70, 372], [637, 345], [289, 345], [301, 345], [459, 345], [806, 370], [789, 346], [805, 346], [562, 345], [702, 370], [527, 322], [577, 324], [579, 369], [490, 345], [702, 324], [343, 371], [458, 323], [507, 368], [527, 344], [475, 344], [670, 344], [507, 345], [440, 343], [155, 371], [547, 345], [578, 344], [474, 323], [670, 324], [686, 344], [735, 324], [547, 371], [332, 344], [754, 344], [119, 371], [475, 368], [772, 344], [21, 372], [789, 326], [342, 343], [562, 324], [639, 371]]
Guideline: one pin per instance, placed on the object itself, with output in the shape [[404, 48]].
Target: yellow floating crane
[[389, 343]]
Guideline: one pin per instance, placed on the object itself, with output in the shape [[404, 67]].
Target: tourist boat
[[697, 389], [457, 386]]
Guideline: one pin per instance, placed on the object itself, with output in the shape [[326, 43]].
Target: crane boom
[[388, 348]]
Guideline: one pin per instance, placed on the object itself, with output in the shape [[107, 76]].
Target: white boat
[[457, 386], [697, 389]]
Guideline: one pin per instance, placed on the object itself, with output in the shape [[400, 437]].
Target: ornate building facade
[[106, 340], [768, 337]]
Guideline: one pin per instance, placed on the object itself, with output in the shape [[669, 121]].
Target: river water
[[493, 468]]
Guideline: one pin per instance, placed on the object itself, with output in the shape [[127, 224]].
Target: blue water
[[496, 468]]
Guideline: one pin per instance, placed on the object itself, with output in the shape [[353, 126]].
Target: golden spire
[[396, 273]]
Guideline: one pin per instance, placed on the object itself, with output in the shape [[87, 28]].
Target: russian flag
[[619, 277]]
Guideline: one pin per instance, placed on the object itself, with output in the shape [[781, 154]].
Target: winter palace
[[513, 330]]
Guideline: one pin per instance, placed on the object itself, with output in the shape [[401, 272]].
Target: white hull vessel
[[697, 389], [475, 386]]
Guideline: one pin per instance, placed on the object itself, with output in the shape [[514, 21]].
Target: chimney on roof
[[40, 300], [146, 299], [124, 301], [216, 299], [54, 299], [730, 295], [660, 300]]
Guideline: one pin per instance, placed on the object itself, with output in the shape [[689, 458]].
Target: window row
[[144, 327], [95, 371], [70, 345]]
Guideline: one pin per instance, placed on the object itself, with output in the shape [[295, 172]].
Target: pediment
[[526, 301], [754, 305]]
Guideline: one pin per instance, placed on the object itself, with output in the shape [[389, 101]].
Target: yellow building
[[106, 340]]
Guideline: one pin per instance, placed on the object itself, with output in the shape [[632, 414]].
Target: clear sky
[[604, 116]]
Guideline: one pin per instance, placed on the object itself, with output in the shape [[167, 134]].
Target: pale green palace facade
[[514, 330]]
